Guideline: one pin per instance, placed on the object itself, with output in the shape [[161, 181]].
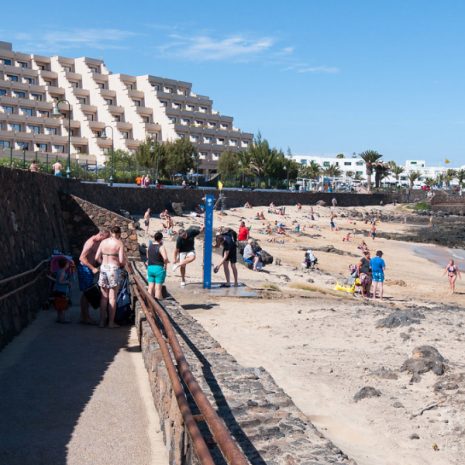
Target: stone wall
[[84, 219], [262, 418], [137, 200], [31, 228]]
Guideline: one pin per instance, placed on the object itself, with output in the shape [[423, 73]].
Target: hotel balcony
[[123, 126], [116, 109]]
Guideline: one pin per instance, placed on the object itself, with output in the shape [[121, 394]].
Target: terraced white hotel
[[135, 107]]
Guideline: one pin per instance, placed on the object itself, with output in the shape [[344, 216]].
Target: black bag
[[124, 313], [265, 257], [93, 296]]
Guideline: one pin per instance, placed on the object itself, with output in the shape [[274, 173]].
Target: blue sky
[[318, 76]]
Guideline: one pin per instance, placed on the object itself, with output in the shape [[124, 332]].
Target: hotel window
[[194, 138], [203, 109], [211, 125], [26, 111], [19, 94], [245, 143], [12, 77], [167, 90], [176, 106], [4, 144], [82, 100], [224, 126], [58, 148], [233, 143], [190, 107], [22, 145], [137, 103], [7, 109], [185, 121], [50, 131], [220, 141], [2, 92], [347, 163], [326, 163], [34, 129], [37, 97], [109, 101], [360, 163], [155, 86], [101, 85], [125, 134], [44, 113], [29, 80], [359, 173], [173, 119], [198, 122], [23, 64], [6, 61], [117, 118], [42, 147], [207, 140]]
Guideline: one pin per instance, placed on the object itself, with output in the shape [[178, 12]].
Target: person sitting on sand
[[243, 233], [309, 260], [268, 229], [347, 237], [452, 273], [249, 255], [363, 246], [247, 205], [299, 206], [297, 228], [167, 221], [261, 216]]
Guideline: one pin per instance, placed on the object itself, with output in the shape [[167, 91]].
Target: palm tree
[[430, 182], [382, 170], [397, 170], [413, 176], [449, 176], [333, 171], [460, 177], [440, 179], [370, 157]]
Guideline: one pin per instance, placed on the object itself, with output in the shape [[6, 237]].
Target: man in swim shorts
[[87, 270], [378, 266]]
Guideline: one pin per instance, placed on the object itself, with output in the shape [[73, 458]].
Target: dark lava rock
[[424, 359], [366, 391], [400, 318], [450, 382], [398, 405], [414, 436]]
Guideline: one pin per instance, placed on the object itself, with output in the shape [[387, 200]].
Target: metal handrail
[[20, 288], [25, 273], [200, 446], [222, 436]]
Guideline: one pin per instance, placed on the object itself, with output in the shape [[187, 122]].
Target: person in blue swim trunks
[[157, 261], [377, 271]]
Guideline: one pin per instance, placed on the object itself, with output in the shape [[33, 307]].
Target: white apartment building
[[350, 166], [135, 107]]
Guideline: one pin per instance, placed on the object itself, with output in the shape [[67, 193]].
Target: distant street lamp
[[154, 151], [103, 135], [56, 113], [287, 175]]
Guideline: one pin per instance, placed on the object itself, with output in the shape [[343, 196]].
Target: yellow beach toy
[[350, 289]]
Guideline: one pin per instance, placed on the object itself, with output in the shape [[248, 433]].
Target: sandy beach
[[322, 346]]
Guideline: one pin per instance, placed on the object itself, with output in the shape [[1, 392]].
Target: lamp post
[[154, 150], [103, 135], [287, 175], [56, 113]]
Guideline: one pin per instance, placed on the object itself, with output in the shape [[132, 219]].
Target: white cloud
[[206, 48], [303, 68], [54, 41]]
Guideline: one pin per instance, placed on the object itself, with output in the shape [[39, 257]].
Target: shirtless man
[[87, 269], [147, 221], [57, 168], [111, 254], [34, 167]]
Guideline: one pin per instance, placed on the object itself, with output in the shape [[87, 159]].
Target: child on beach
[[61, 289], [452, 273]]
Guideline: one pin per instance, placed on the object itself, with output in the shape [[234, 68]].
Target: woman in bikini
[[111, 254], [452, 273]]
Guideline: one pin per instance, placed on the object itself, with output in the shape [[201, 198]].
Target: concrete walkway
[[76, 395]]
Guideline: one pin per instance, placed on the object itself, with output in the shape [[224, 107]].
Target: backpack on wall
[[124, 313]]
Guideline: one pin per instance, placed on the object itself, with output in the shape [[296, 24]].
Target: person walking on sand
[[157, 261], [364, 273], [452, 272], [111, 254], [229, 257], [87, 270], [147, 221], [332, 224], [184, 253], [377, 271], [373, 231]]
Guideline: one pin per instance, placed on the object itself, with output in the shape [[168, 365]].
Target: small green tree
[[144, 155], [179, 157], [229, 165], [460, 175], [340, 155]]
